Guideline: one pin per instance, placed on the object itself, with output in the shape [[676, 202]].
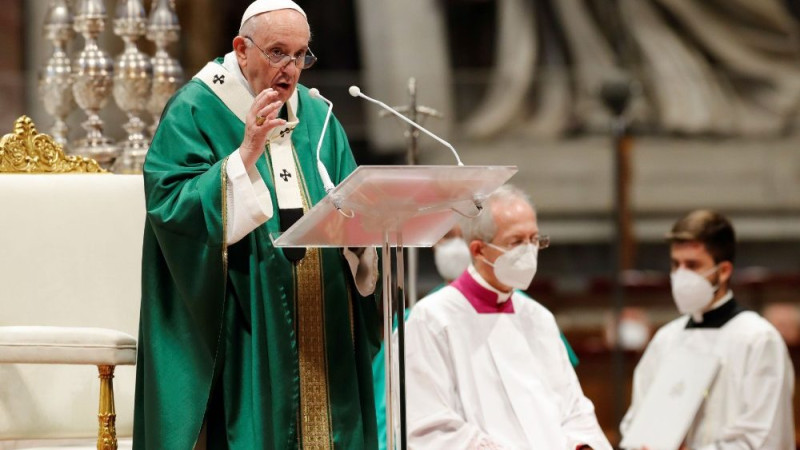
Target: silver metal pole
[[413, 271], [416, 114], [411, 159], [387, 338], [401, 339]]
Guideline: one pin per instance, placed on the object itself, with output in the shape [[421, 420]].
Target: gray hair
[[483, 227]]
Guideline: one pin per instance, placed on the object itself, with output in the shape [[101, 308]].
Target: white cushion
[[66, 345]]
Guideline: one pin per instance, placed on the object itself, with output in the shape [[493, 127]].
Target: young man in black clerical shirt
[[749, 403]]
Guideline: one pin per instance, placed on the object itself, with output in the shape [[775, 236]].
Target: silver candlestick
[[55, 80], [133, 74], [163, 28], [92, 82]]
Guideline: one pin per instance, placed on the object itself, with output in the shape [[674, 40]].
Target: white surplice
[[494, 380], [749, 405]]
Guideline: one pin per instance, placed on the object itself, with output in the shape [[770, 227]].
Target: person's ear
[[476, 248], [240, 47], [725, 271]]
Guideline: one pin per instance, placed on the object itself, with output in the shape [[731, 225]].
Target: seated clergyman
[[485, 366]]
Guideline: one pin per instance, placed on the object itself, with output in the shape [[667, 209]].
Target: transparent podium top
[[376, 203]]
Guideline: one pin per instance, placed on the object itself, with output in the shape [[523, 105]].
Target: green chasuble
[[268, 354]]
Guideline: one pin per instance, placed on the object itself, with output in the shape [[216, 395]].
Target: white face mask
[[633, 335], [451, 257], [516, 267], [691, 291]]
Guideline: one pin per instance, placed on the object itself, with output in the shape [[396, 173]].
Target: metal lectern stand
[[395, 206]]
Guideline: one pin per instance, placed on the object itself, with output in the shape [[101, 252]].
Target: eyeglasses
[[541, 242], [278, 59]]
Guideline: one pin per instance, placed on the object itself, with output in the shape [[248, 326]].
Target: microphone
[[355, 91], [323, 172]]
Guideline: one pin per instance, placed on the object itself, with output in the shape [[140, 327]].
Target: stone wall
[[755, 182]]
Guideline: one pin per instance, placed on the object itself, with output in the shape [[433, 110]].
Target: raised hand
[[262, 117]]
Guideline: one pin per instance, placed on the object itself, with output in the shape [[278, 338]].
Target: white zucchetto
[[263, 6]]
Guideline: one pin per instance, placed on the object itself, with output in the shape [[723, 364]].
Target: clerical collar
[[281, 155], [723, 310], [698, 316], [481, 295], [232, 64]]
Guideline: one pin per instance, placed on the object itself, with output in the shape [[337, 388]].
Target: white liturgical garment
[[749, 405], [485, 371]]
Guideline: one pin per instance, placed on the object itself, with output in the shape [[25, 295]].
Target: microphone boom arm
[[356, 92], [323, 172]]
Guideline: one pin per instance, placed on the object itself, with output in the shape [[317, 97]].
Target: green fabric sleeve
[[183, 278]]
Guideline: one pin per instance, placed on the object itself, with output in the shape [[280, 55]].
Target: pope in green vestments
[[261, 351]]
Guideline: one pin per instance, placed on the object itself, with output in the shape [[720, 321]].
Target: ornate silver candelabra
[[92, 82], [133, 74], [55, 80], [163, 28]]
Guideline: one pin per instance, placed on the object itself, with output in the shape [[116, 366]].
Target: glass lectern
[[395, 207]]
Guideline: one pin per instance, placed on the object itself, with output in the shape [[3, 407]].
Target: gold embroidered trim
[[27, 151], [315, 419], [224, 206]]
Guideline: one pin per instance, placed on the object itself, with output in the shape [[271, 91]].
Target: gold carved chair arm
[[26, 151]]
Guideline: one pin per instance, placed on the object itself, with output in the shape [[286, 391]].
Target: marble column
[[401, 40]]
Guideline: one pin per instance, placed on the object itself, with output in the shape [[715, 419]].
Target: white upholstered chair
[[70, 255]]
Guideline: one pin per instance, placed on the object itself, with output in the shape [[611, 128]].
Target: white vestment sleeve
[[434, 421], [363, 264], [767, 388], [248, 199]]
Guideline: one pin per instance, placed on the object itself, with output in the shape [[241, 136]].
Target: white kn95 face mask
[[516, 267], [691, 291], [451, 257]]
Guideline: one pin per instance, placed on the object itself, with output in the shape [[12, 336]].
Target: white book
[[668, 409]]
